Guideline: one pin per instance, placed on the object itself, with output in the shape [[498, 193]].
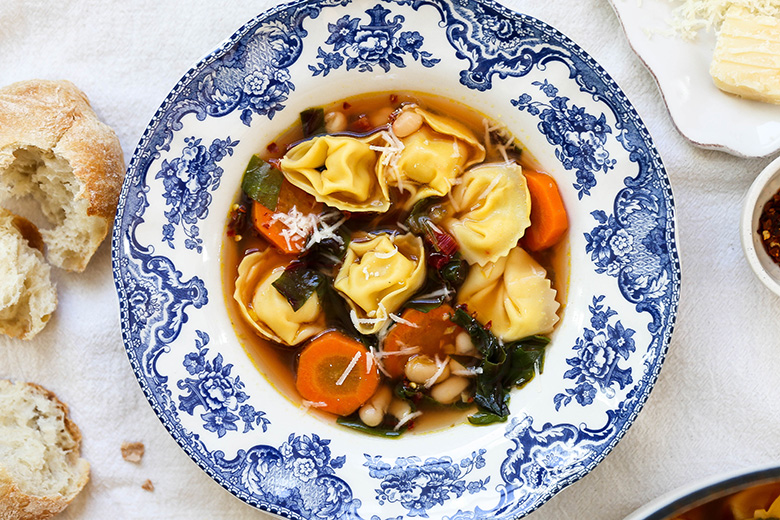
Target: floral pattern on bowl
[[624, 274]]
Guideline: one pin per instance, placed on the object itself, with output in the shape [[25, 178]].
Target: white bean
[[380, 116], [449, 391], [456, 366], [464, 346], [399, 408], [335, 122], [420, 369], [373, 411], [406, 123]]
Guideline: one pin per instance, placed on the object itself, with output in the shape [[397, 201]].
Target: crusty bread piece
[[54, 148], [27, 295], [41, 469]]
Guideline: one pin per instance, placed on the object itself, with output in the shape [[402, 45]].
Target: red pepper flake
[[346, 105], [272, 148], [769, 227], [362, 124]]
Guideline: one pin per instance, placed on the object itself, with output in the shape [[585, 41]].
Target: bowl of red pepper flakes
[[760, 226]]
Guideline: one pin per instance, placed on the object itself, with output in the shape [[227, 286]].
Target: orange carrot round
[[428, 333], [333, 373], [272, 228], [548, 215]]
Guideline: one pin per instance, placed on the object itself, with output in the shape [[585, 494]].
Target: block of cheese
[[746, 61]]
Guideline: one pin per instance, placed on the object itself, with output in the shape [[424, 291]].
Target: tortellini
[[433, 156], [340, 171], [513, 294], [378, 275], [489, 211], [263, 307]]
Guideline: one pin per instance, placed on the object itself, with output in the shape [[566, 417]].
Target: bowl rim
[[750, 212], [704, 490]]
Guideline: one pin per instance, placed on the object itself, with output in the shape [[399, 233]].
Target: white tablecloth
[[712, 409]]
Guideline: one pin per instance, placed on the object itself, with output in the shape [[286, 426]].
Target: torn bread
[[41, 469], [27, 295], [54, 149]]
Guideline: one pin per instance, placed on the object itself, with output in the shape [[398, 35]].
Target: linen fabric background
[[711, 411]]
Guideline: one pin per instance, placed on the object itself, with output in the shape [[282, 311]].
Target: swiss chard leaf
[[503, 366], [337, 313], [354, 422], [483, 418], [313, 121], [262, 182], [297, 283], [330, 252]]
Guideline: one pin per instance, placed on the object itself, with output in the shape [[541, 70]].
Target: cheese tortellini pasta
[[378, 275], [434, 156], [340, 171], [513, 294], [489, 211], [264, 307]]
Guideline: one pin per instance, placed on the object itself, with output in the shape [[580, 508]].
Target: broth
[[365, 115]]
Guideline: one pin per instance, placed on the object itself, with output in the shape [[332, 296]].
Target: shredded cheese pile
[[391, 152], [691, 16], [302, 225]]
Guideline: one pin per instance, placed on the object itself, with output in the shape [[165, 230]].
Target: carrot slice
[[548, 215], [271, 227], [333, 372], [428, 333]]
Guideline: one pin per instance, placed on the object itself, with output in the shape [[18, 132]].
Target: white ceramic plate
[[701, 112], [624, 277]]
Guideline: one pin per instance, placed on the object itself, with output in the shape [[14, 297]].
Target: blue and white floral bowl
[[624, 278]]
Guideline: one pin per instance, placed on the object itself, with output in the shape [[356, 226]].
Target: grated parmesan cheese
[[312, 404], [408, 417], [399, 319], [350, 367], [315, 227], [441, 366], [391, 153]]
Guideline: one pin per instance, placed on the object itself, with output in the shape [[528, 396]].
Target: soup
[[397, 262]]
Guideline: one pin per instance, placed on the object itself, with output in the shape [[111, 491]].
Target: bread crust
[[56, 116], [18, 505]]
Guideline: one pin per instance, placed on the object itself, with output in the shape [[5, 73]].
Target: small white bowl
[[762, 189]]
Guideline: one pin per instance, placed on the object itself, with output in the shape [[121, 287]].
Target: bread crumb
[[148, 486], [132, 451]]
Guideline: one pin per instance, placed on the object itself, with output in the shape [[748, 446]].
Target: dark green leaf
[[262, 182], [313, 121], [354, 422], [423, 212], [455, 271], [298, 283], [484, 418], [330, 252], [503, 365], [429, 297], [485, 342], [337, 313]]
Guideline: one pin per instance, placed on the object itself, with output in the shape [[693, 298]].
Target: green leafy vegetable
[[313, 121], [424, 213], [353, 421], [329, 253], [298, 283], [503, 366], [262, 182], [337, 313], [483, 418]]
